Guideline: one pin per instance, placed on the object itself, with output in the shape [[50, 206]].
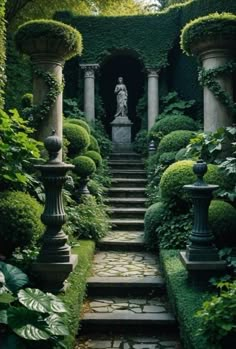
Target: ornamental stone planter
[[212, 39], [49, 44]]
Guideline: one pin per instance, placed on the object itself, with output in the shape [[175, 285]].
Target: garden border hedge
[[2, 51]]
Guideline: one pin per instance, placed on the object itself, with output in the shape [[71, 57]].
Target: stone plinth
[[121, 133]]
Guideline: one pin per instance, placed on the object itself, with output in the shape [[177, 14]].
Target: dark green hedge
[[2, 51], [185, 300]]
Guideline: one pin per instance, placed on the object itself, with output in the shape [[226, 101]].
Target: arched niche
[[127, 64]]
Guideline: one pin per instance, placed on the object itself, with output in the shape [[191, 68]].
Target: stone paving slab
[[128, 342], [125, 264], [115, 305], [124, 236]]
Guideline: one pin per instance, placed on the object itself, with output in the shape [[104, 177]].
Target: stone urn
[[212, 39], [49, 44]]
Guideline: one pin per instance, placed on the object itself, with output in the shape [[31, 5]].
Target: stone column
[[52, 64], [89, 90], [215, 113], [153, 97]]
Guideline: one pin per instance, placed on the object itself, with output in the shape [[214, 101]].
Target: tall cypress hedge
[[2, 51]]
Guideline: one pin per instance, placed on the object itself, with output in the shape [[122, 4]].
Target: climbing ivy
[[2, 51], [209, 77], [38, 112]]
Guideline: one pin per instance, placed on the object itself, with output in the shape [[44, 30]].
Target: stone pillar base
[[52, 276], [200, 272], [121, 133]]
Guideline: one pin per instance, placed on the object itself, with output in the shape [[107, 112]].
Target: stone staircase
[[126, 306]]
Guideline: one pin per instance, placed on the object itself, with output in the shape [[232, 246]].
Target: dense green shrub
[[71, 108], [181, 173], [79, 122], [174, 141], [141, 142], [2, 51], [212, 26], [20, 224], [84, 166], [78, 138], [68, 40], [17, 151], [27, 100], [93, 144], [173, 123], [152, 220], [102, 140], [95, 156], [222, 221], [88, 220], [167, 158]]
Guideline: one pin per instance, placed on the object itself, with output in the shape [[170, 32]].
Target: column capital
[[89, 69], [153, 72]]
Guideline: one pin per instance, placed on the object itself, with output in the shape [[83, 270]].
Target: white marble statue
[[121, 98]]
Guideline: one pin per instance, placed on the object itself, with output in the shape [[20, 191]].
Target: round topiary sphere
[[222, 222], [27, 100], [20, 223], [78, 138], [95, 156], [79, 122], [181, 173], [152, 219], [174, 141], [173, 123], [84, 166], [44, 36], [93, 144]]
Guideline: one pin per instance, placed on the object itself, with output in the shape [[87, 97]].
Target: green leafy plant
[[218, 315], [78, 139], [152, 219], [17, 151], [141, 142], [172, 105], [71, 108], [28, 315]]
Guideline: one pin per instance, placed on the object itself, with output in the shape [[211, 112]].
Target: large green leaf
[[56, 325], [14, 277], [37, 300], [6, 298], [11, 341], [27, 324]]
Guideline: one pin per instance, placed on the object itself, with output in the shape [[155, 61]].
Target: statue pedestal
[[121, 133]]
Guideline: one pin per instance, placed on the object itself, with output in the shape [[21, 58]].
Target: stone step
[[129, 182], [126, 202], [123, 286], [126, 192], [128, 312], [119, 173], [126, 165], [116, 213], [136, 340], [125, 156], [127, 224], [122, 241]]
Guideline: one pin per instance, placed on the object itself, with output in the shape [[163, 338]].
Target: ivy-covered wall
[[2, 51]]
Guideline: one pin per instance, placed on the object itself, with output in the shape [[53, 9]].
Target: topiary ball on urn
[[84, 167]]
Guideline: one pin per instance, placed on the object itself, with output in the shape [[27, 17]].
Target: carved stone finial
[[53, 144]]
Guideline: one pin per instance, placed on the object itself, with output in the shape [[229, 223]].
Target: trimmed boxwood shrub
[[27, 100], [53, 36], [79, 122], [222, 222], [20, 223], [181, 173], [174, 141], [167, 158], [210, 27], [78, 138], [84, 166], [173, 123], [95, 156], [93, 144], [152, 219]]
